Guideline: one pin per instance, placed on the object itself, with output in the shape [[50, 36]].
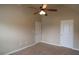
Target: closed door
[[66, 33], [37, 31]]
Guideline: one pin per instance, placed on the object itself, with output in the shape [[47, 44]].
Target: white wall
[[17, 30], [51, 25]]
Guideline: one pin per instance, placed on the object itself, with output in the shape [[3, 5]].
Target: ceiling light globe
[[42, 12]]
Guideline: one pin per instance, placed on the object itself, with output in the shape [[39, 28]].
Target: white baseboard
[[19, 49], [34, 44], [50, 43], [59, 45]]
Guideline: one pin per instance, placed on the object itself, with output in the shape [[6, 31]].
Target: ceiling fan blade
[[33, 8], [51, 9], [36, 12]]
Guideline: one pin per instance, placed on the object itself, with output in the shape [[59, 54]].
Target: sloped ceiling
[[72, 6], [49, 5]]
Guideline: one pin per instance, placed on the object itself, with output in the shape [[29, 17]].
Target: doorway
[[66, 33]]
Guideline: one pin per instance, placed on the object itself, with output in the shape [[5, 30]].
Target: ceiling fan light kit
[[42, 12]]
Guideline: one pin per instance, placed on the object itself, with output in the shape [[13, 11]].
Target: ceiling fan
[[43, 10]]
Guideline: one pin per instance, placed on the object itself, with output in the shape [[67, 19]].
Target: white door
[[37, 31], [66, 33]]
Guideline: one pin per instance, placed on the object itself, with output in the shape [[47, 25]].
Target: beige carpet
[[46, 49]]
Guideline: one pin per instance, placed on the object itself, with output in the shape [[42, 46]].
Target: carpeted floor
[[46, 49]]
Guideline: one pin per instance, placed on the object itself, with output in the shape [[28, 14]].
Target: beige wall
[[51, 25], [17, 27], [17, 30]]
